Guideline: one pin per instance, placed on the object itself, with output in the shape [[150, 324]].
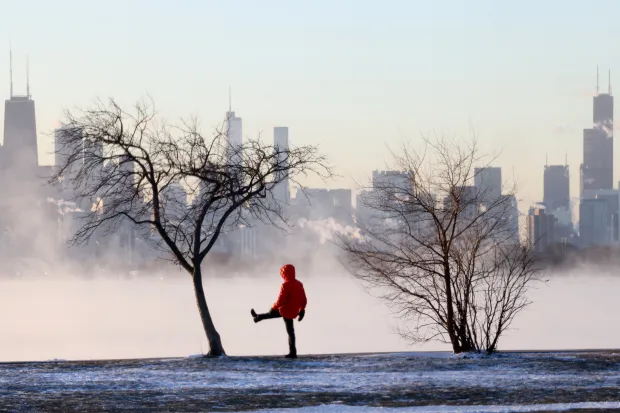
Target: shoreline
[[421, 353]]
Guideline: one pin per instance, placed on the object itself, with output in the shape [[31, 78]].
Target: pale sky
[[352, 76]]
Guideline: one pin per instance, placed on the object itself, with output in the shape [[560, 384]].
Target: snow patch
[[421, 354], [472, 356], [559, 407], [434, 354]]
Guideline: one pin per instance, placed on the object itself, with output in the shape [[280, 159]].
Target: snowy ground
[[408, 382]]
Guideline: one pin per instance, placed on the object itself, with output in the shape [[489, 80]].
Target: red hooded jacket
[[292, 297]]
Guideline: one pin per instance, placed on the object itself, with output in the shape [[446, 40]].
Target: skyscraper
[[399, 182], [464, 202], [20, 153], [556, 186], [511, 218], [234, 134], [234, 129], [598, 166], [612, 198], [92, 158], [63, 153], [540, 228], [280, 142], [593, 219], [321, 203], [488, 183], [598, 215]]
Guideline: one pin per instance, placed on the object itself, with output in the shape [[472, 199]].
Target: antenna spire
[[597, 79], [11, 66], [609, 77], [229, 99], [27, 77]]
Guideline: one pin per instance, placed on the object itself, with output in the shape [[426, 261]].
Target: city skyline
[[233, 124], [345, 87]]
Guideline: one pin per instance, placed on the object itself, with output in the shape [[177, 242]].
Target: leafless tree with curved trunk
[[444, 254], [130, 169]]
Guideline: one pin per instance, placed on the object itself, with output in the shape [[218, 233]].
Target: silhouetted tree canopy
[[444, 254]]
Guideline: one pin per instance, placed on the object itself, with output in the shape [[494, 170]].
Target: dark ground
[[243, 384]]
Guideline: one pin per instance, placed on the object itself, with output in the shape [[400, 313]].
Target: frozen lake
[[408, 382], [104, 318]]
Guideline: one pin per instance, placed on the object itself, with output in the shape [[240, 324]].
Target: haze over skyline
[[352, 77]]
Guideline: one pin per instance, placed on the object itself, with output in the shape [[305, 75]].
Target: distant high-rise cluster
[[548, 223], [260, 240], [551, 220], [394, 196]]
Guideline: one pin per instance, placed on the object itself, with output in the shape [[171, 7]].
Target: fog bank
[[73, 318]]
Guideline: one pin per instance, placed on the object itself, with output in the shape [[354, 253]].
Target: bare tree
[[129, 169], [444, 254]]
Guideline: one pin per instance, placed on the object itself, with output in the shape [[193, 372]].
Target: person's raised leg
[[273, 313], [290, 329]]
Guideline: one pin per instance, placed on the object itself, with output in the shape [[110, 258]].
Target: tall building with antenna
[[598, 209], [234, 132], [280, 143], [20, 152], [598, 165]]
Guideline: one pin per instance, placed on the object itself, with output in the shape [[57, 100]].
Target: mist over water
[[108, 317], [574, 310]]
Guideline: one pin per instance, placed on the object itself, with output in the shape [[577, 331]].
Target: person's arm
[[302, 307], [304, 300], [282, 297]]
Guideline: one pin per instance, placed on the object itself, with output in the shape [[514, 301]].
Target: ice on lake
[[73, 318]]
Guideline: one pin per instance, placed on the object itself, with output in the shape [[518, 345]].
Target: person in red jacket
[[291, 303]]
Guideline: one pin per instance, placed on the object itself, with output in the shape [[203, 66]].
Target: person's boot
[[254, 316], [292, 350]]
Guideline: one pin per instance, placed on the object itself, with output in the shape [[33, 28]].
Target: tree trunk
[[450, 325], [215, 342]]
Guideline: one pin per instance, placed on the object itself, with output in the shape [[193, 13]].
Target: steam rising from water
[[64, 207], [326, 229], [74, 318]]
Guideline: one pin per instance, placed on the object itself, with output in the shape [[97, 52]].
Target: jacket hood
[[287, 272]]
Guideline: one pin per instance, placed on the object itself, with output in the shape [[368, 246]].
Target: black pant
[[288, 322]]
